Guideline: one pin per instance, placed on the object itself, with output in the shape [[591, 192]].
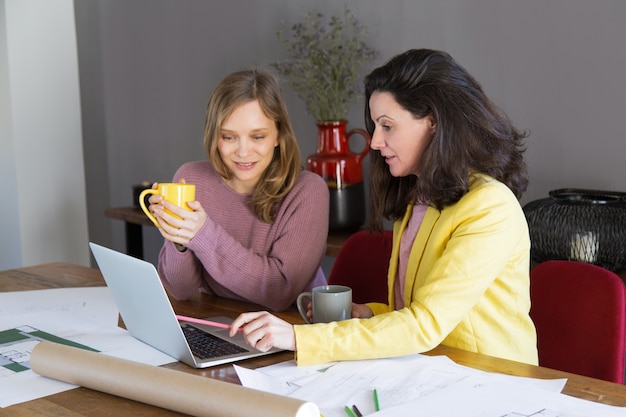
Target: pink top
[[236, 255], [406, 243]]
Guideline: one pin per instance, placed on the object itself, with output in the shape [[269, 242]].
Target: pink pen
[[205, 322]]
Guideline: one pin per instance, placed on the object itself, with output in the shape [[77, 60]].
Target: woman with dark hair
[[258, 229], [447, 168]]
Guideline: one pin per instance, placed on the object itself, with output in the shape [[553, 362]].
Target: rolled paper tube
[[166, 388]]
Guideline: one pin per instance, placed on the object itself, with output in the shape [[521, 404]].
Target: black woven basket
[[580, 225]]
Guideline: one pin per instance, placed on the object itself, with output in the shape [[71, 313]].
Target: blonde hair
[[280, 176]]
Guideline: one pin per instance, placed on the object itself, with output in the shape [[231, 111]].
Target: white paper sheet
[[478, 396], [87, 316], [93, 305], [434, 386]]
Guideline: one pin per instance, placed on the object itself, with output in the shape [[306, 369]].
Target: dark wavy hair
[[472, 135]]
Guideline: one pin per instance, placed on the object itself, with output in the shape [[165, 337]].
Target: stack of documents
[[432, 386]]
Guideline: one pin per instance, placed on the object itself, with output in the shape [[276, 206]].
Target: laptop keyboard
[[205, 345]]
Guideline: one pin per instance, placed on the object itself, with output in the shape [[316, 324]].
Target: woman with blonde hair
[[258, 229]]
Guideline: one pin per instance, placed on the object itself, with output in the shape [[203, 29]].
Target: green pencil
[[349, 412], [376, 403]]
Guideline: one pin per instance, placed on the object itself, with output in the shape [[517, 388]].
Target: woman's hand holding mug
[[174, 210]]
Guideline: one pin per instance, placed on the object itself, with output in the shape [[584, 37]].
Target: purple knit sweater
[[236, 255]]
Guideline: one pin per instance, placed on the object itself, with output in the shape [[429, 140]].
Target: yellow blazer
[[467, 286]]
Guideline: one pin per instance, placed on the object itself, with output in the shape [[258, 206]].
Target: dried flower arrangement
[[324, 62]]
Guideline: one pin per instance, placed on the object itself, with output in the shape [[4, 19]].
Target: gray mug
[[330, 303]]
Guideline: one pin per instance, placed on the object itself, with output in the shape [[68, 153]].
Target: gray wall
[[147, 68]]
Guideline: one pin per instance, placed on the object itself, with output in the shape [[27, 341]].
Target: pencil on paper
[[205, 322], [376, 403], [349, 411], [357, 412]]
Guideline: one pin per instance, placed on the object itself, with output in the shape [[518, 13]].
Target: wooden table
[[86, 402], [134, 218]]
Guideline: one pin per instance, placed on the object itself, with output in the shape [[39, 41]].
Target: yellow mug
[[177, 193]]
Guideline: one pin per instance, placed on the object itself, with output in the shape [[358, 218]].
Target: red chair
[[579, 311], [362, 264]]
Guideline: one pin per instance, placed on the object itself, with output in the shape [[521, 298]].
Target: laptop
[[148, 315]]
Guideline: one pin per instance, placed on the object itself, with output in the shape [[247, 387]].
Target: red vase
[[342, 170]]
